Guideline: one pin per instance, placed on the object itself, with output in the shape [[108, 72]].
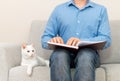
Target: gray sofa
[[10, 57]]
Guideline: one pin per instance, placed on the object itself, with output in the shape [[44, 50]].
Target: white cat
[[31, 59]]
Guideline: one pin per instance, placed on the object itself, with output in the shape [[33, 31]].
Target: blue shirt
[[89, 23]]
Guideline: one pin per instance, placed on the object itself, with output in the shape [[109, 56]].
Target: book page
[[92, 44], [54, 45], [98, 45]]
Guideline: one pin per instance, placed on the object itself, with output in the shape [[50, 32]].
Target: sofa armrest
[[10, 56], [112, 71]]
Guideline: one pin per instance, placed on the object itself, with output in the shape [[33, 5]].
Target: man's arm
[[51, 29], [103, 30]]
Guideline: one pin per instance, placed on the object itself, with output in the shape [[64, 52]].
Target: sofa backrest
[[110, 55], [36, 31]]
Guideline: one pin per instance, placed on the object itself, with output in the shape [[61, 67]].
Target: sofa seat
[[19, 74], [43, 74], [112, 71]]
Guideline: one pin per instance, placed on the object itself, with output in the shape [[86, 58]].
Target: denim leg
[[86, 61], [60, 65]]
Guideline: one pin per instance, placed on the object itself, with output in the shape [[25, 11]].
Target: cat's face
[[28, 51]]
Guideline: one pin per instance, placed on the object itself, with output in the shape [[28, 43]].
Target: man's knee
[[85, 55], [60, 56]]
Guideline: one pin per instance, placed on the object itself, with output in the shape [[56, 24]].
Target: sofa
[[10, 57]]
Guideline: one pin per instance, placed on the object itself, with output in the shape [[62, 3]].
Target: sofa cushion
[[19, 74], [112, 72], [43, 74], [100, 74]]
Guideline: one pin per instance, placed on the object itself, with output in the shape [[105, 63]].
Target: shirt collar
[[89, 4]]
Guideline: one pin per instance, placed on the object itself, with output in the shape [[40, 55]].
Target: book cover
[[98, 45]]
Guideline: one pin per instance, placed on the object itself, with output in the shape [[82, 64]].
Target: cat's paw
[[47, 63], [29, 73]]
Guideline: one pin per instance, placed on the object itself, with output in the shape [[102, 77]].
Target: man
[[70, 23]]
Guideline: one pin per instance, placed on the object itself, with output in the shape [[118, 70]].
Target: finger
[[53, 40], [58, 40], [73, 42], [61, 40], [70, 41]]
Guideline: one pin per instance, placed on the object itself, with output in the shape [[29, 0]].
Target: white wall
[[113, 7], [17, 15]]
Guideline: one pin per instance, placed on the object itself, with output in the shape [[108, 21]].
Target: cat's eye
[[28, 51], [32, 50]]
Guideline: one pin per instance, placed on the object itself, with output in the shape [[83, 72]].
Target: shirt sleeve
[[104, 33], [50, 29]]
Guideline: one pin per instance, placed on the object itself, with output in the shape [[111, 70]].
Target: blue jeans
[[85, 61]]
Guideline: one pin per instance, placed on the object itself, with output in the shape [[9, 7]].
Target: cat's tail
[[43, 62]]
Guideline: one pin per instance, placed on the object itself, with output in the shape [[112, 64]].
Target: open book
[[98, 45]]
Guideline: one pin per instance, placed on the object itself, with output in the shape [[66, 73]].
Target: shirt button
[[78, 21], [77, 33]]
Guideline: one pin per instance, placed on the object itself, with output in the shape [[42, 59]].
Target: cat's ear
[[23, 46]]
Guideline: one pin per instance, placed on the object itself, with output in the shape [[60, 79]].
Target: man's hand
[[73, 41], [57, 40]]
